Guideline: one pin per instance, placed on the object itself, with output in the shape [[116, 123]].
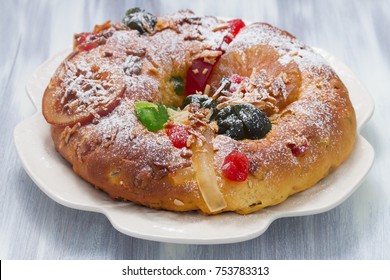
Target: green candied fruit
[[178, 85], [153, 116], [140, 20]]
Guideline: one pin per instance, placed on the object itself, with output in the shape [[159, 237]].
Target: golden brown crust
[[117, 154]]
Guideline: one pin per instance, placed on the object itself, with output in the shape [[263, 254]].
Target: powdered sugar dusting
[[143, 63], [89, 85], [287, 46], [311, 120]]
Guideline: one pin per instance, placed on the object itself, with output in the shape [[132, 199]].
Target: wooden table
[[32, 226]]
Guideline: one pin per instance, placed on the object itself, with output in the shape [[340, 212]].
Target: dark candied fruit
[[243, 121], [236, 166], [178, 84], [230, 125], [256, 123], [203, 100], [140, 20]]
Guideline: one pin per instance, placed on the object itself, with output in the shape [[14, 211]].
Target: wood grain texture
[[32, 226]]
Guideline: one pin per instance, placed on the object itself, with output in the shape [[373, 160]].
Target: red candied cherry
[[200, 70], [84, 41], [227, 39], [83, 37], [236, 79], [236, 166], [235, 26], [298, 150], [178, 134], [89, 46]]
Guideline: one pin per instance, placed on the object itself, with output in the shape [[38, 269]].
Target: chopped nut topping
[[178, 202], [137, 52], [221, 27], [94, 68], [224, 84], [186, 153], [198, 123], [110, 138], [132, 65], [68, 131], [151, 60], [207, 90], [209, 56]]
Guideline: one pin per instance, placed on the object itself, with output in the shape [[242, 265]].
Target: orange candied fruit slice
[[81, 91]]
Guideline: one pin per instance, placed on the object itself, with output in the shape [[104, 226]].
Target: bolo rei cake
[[181, 112]]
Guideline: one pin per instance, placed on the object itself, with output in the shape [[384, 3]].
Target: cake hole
[[115, 172], [256, 204]]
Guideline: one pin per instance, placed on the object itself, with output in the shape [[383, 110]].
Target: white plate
[[55, 177]]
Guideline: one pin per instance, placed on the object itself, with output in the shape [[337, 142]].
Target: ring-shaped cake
[[184, 113]]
